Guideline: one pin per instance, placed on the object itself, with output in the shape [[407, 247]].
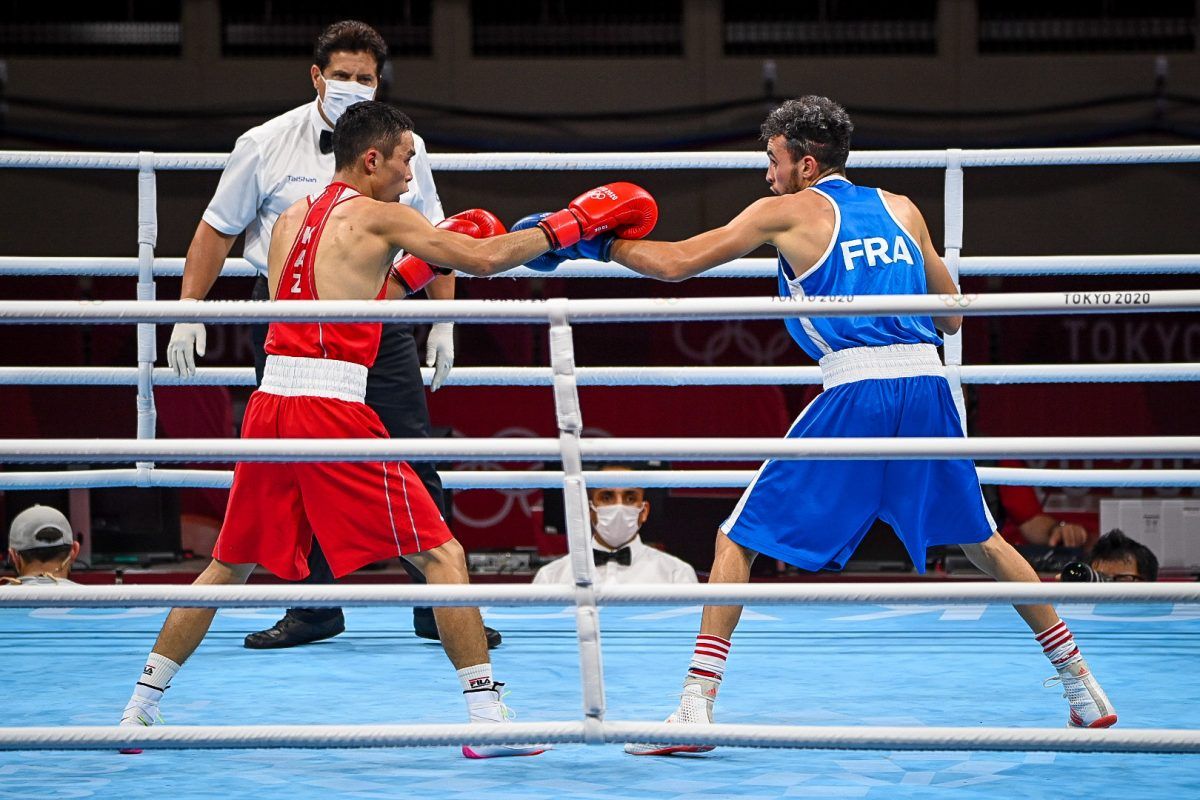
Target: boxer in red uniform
[[339, 245]]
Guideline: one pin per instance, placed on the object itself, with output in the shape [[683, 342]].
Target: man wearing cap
[[41, 547]]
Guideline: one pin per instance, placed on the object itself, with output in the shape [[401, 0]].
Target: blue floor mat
[[833, 665]]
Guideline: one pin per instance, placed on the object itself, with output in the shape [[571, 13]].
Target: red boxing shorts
[[361, 511]]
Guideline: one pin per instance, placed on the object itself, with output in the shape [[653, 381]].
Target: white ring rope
[[977, 266], [969, 266], [366, 595], [208, 737], [110, 267], [647, 479], [898, 738], [623, 376], [745, 159], [823, 737], [599, 311], [128, 376], [30, 451]]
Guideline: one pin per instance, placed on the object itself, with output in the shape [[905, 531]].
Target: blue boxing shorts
[[814, 514]]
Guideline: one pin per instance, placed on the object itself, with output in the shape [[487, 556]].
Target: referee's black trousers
[[396, 393]]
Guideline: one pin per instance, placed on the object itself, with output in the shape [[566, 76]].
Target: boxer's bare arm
[[760, 223], [937, 276], [406, 228]]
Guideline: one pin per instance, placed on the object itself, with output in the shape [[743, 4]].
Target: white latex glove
[[188, 340], [439, 352]]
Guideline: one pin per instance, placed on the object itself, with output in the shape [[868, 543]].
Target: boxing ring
[[853, 649]]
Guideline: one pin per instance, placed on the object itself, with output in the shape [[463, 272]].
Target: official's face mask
[[340, 95], [617, 524]]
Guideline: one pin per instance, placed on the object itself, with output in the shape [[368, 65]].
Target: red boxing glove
[[460, 224], [489, 224], [415, 274], [623, 209]]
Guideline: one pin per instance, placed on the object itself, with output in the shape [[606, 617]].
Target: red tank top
[[357, 342]]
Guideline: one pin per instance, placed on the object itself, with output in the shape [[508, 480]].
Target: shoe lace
[[505, 712], [1073, 688], [141, 716]]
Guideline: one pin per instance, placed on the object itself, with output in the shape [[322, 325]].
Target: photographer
[[1115, 557]]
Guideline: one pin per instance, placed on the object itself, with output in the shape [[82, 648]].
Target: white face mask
[[616, 524], [340, 95]]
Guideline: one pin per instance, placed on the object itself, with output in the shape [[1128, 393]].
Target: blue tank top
[[871, 253]]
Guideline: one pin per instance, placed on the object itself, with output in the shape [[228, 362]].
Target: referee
[[271, 167]]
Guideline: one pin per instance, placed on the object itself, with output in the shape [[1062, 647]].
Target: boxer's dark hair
[[365, 125], [812, 126], [350, 36], [1117, 546], [41, 555]]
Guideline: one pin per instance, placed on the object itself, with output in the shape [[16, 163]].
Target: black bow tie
[[326, 144], [624, 556]]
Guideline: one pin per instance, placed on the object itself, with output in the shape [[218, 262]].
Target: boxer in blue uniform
[[882, 377]]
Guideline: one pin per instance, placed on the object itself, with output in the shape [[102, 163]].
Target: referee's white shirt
[[278, 163], [646, 565]]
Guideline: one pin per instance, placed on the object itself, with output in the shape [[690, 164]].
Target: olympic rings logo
[[518, 498], [957, 300], [521, 500], [733, 335]]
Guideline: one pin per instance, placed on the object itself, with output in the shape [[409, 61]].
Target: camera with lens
[[1079, 572]]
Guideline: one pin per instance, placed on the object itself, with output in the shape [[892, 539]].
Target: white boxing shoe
[[494, 711], [695, 708], [1090, 707], [140, 711]]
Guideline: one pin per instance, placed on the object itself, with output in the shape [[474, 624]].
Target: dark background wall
[[937, 74]]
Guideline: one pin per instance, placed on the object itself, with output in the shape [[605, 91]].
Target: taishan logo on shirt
[[301, 179]]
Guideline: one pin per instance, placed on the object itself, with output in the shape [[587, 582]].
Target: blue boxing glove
[[546, 262], [598, 248]]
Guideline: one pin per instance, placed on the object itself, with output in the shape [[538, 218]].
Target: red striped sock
[[708, 659], [1058, 644]]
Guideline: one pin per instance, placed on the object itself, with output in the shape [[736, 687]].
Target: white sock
[[480, 691], [477, 683], [156, 677]]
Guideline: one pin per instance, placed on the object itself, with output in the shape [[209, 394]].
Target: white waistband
[[290, 376], [880, 363]]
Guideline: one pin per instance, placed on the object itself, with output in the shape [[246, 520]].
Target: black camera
[[1079, 572]]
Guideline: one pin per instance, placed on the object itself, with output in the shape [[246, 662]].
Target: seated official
[[1041, 517], [41, 547], [619, 553]]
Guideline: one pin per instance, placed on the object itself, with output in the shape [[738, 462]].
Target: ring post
[[146, 346], [953, 193], [575, 504]]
